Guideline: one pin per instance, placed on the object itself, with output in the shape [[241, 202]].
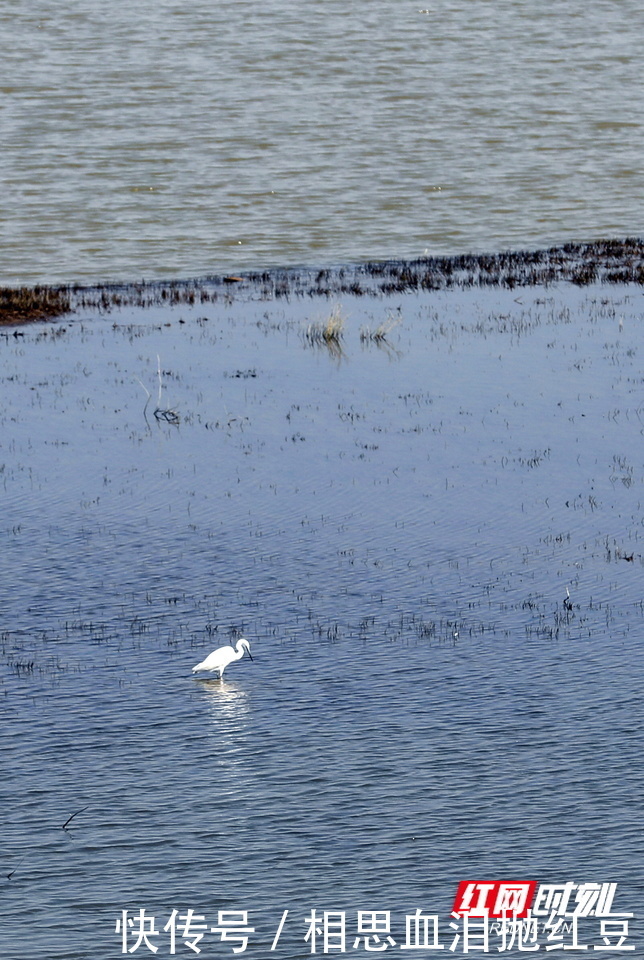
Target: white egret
[[222, 656]]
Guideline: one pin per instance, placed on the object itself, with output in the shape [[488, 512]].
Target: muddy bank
[[603, 261]]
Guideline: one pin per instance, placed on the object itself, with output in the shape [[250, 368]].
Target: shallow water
[[394, 525], [161, 140]]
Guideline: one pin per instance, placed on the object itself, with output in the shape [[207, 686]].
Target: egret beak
[[249, 654]]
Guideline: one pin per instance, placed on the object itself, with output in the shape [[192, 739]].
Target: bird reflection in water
[[228, 735], [227, 700]]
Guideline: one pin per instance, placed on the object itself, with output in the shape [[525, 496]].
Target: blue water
[[393, 525]]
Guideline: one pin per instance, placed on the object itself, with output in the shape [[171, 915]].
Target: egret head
[[245, 645]]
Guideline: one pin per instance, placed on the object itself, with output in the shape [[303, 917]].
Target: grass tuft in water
[[327, 332], [382, 331]]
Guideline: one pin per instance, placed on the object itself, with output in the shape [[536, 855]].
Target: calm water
[[160, 139], [394, 526]]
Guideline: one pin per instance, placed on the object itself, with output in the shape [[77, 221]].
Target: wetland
[[417, 489]]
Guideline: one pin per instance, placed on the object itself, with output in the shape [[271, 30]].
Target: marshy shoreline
[[603, 261]]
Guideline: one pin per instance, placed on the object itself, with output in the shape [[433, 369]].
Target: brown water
[[161, 140]]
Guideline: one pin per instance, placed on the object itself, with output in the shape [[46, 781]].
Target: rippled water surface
[[160, 139], [394, 524]]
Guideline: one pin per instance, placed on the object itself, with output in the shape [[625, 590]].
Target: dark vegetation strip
[[603, 261], [21, 304]]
